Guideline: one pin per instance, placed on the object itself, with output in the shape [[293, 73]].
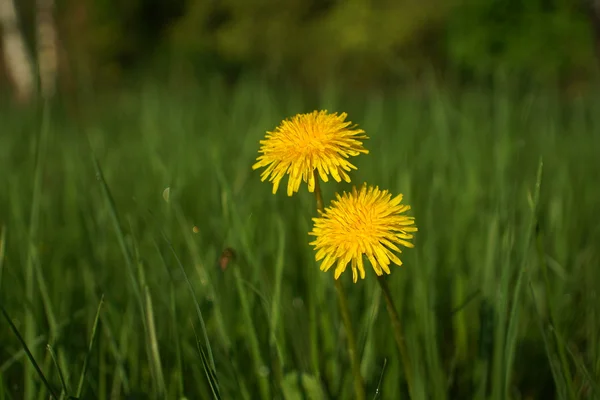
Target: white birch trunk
[[18, 61]]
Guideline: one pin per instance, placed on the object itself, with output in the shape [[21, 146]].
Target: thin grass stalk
[[560, 348], [89, 350], [30, 328], [34, 364], [61, 375], [516, 307], [263, 382], [398, 335], [359, 385], [278, 358], [2, 252]]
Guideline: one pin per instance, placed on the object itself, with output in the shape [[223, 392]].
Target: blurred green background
[[130, 182], [358, 42]]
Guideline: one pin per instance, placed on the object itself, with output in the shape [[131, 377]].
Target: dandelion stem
[[359, 385], [398, 336], [318, 194]]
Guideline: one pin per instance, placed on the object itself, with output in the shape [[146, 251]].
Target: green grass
[[115, 295]]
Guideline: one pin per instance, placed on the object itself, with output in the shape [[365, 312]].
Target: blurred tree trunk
[[47, 50], [594, 13], [18, 61]]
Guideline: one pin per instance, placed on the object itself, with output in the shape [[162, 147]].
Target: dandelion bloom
[[308, 142], [365, 222]]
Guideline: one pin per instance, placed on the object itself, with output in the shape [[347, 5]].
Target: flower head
[[365, 222], [308, 142]]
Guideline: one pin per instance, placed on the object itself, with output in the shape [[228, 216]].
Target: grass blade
[[112, 208], [16, 357], [118, 347], [195, 299], [378, 389], [63, 382], [211, 377], [135, 284], [29, 354], [34, 212], [276, 301], [152, 347], [259, 364], [2, 253], [154, 351], [218, 313], [555, 373], [513, 321], [90, 347], [562, 356], [174, 322], [594, 385]]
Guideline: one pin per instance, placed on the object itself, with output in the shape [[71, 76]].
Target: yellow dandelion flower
[[308, 142], [365, 222]]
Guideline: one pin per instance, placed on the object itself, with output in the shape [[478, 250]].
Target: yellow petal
[[361, 266]]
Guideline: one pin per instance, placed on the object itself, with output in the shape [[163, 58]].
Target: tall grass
[[499, 298]]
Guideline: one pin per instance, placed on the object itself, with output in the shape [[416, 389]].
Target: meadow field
[[142, 257]]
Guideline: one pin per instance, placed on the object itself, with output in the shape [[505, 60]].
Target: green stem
[[397, 325], [359, 385], [263, 382], [562, 356]]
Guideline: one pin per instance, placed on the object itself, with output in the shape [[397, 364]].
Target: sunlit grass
[[468, 164]]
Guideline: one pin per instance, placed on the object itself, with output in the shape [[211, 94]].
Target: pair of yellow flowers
[[367, 221]]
